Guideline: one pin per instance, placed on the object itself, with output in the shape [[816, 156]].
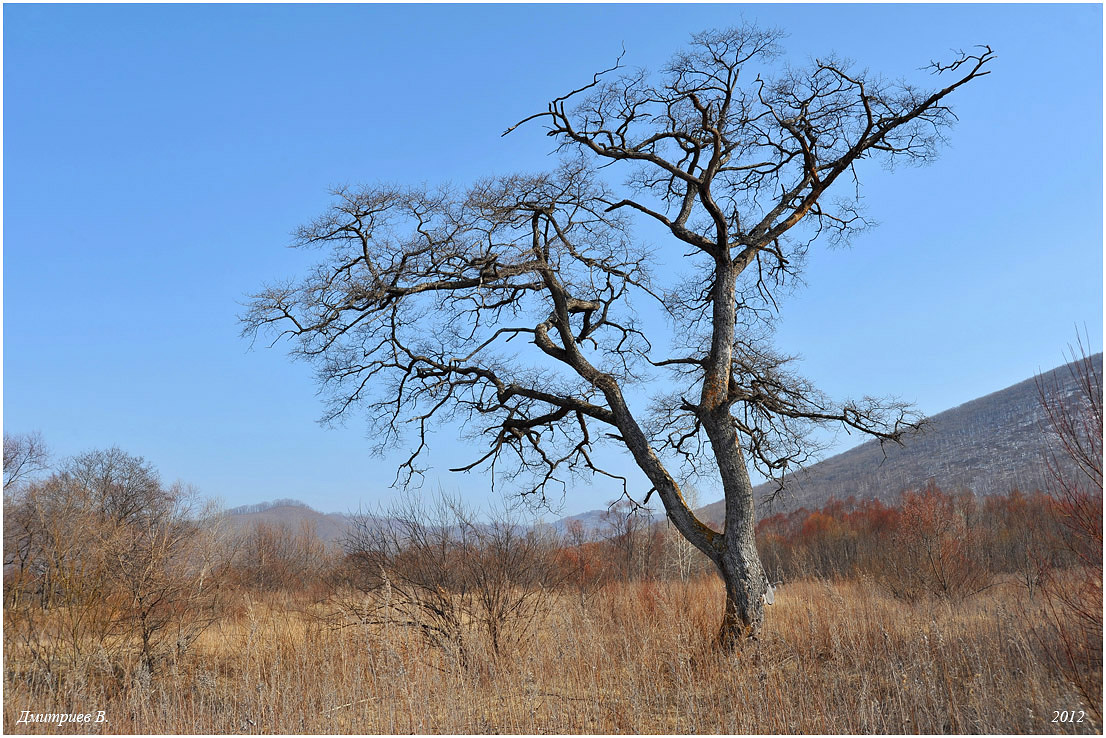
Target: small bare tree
[[680, 557], [628, 529], [25, 455], [512, 307], [163, 562]]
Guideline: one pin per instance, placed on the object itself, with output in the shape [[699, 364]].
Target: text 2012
[[1068, 716]]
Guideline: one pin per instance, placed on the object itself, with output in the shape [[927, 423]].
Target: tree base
[[733, 634]]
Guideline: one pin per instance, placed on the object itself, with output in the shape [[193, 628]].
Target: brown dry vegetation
[[946, 614], [627, 658]]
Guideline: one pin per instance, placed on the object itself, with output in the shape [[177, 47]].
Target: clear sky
[[156, 159]]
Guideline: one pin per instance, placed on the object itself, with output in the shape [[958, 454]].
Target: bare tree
[[628, 534], [123, 488], [680, 557], [163, 562], [101, 557], [25, 455], [512, 307]]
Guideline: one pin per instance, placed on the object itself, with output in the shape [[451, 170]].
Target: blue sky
[[156, 159]]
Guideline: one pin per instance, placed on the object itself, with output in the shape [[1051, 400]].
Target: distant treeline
[[263, 506], [932, 542]]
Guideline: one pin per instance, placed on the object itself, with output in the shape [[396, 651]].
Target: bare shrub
[[1022, 537], [58, 606], [466, 586], [583, 559]]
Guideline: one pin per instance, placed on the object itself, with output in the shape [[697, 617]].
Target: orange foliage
[[932, 543]]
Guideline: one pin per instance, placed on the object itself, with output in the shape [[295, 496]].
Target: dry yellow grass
[[833, 658]]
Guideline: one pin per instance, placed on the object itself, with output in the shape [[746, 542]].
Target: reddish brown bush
[[938, 548]]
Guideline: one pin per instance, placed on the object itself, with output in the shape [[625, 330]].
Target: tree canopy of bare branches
[[25, 455], [514, 306]]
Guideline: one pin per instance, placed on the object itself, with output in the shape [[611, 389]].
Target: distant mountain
[[592, 522], [330, 528], [989, 445]]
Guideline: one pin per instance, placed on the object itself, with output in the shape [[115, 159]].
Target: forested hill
[[289, 516], [989, 445]]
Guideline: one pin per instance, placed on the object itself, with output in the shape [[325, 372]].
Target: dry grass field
[[626, 658]]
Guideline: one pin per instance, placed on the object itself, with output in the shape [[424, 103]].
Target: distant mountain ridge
[[331, 528], [989, 445]]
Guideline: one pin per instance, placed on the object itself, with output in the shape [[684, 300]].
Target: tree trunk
[[743, 577], [737, 559]]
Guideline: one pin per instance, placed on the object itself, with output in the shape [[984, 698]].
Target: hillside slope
[[989, 445], [292, 514]]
